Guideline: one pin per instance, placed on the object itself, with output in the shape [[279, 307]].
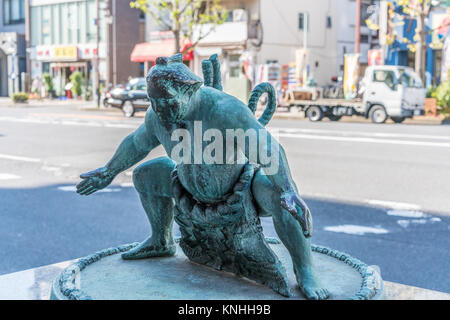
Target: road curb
[[351, 119]]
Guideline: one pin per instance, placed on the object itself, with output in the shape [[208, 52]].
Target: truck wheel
[[378, 114], [398, 119], [314, 113], [128, 109], [333, 117]]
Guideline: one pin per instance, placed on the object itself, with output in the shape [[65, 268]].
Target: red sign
[[188, 51], [375, 57]]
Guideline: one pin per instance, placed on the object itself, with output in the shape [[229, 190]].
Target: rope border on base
[[369, 287], [370, 279]]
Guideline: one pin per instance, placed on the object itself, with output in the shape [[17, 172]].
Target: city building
[[12, 46], [325, 28], [261, 32], [67, 36], [437, 27]]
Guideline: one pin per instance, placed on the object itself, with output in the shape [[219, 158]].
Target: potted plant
[[77, 82], [19, 97], [443, 98], [431, 102], [48, 82]]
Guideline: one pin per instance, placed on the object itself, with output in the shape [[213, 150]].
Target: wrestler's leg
[[152, 180], [290, 233]]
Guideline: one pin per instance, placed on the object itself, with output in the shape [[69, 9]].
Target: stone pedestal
[[105, 275]]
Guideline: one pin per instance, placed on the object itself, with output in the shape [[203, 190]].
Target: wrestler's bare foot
[[309, 285], [150, 249]]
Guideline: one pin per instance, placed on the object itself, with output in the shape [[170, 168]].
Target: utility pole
[[97, 60], [383, 29], [358, 40], [305, 31], [358, 27], [28, 43], [305, 47], [114, 40]]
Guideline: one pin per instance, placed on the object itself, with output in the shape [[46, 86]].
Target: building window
[[235, 66], [411, 59], [329, 24], [141, 15], [46, 25], [13, 12], [303, 21], [437, 67], [364, 14]]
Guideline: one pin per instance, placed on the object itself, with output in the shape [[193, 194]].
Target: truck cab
[[392, 91]]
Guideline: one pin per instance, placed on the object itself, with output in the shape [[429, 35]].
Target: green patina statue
[[214, 184]]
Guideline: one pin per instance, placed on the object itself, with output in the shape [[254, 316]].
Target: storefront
[[61, 61], [162, 44], [12, 63]]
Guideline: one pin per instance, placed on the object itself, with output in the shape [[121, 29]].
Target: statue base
[[106, 276]]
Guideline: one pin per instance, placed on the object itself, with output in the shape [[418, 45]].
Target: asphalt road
[[378, 192]]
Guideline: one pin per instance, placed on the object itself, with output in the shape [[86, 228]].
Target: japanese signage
[[65, 53], [351, 67], [375, 57], [301, 60]]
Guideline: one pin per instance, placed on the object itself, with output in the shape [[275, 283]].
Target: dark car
[[131, 98]]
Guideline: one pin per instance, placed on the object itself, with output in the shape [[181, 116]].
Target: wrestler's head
[[170, 85]]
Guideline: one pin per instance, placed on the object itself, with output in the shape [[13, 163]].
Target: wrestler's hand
[[94, 181], [298, 208]]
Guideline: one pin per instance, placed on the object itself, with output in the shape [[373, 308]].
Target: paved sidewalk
[[7, 102], [280, 114]]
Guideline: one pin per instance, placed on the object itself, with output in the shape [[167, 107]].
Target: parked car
[[131, 98], [107, 94]]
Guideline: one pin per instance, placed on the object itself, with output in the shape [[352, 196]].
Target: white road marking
[[355, 229], [108, 190], [89, 123], [362, 133], [406, 223], [393, 204], [127, 185], [365, 140], [321, 195], [18, 158], [74, 189], [407, 214], [68, 188], [50, 168], [8, 176]]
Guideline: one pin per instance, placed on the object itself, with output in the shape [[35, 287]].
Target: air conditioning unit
[[240, 15]]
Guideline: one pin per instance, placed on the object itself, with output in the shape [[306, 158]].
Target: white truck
[[386, 91]]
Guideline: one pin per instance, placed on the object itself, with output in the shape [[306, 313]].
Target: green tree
[[418, 10], [443, 97], [183, 16]]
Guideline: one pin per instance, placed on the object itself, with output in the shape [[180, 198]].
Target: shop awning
[[149, 51]]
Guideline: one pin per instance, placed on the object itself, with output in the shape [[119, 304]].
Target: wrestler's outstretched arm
[[133, 149]]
